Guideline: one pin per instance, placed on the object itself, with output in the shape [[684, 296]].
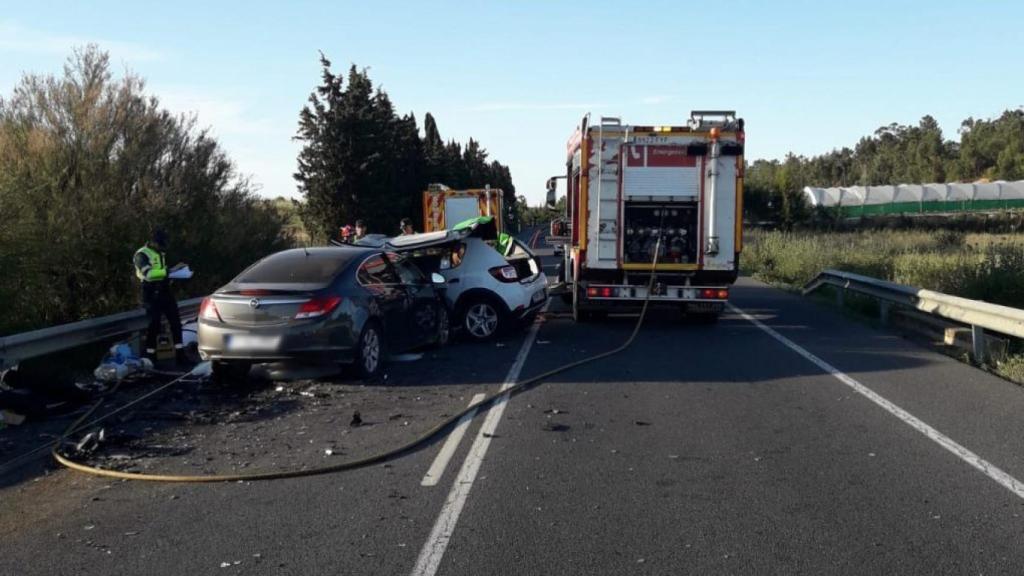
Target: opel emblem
[[254, 303]]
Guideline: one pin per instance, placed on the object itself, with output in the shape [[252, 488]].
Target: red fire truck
[[639, 192]]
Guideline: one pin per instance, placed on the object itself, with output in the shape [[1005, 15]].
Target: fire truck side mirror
[[551, 199]]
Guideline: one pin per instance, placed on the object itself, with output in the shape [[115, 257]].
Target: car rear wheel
[[480, 319], [370, 352]]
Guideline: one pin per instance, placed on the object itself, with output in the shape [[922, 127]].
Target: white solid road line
[[984, 466], [433, 550], [433, 475]]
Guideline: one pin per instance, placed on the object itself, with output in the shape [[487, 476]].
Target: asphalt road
[[699, 450]]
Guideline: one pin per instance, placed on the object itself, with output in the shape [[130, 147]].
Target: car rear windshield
[[313, 266]]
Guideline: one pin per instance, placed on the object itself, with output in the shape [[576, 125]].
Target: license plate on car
[[252, 342]]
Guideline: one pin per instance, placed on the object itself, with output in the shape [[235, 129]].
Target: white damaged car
[[487, 290]]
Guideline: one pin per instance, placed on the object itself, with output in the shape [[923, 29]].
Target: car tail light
[[714, 294], [317, 307], [504, 273], [600, 292], [208, 310]]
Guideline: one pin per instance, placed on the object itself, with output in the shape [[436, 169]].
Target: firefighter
[[151, 269], [406, 226]]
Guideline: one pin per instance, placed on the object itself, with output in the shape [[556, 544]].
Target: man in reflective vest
[[151, 269]]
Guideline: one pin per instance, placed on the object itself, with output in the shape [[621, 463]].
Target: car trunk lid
[[259, 307]]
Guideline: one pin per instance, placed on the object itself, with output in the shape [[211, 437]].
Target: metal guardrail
[[979, 315], [19, 347]]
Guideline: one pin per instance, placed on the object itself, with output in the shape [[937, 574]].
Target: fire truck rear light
[[600, 292]]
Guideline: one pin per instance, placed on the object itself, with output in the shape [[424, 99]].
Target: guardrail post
[[978, 342], [884, 307]]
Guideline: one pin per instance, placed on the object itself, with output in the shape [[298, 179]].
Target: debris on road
[[641, 423], [10, 418], [555, 427], [357, 420]]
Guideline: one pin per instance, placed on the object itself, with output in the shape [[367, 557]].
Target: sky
[[518, 76]]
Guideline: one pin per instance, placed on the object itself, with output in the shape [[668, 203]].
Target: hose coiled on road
[[371, 460]]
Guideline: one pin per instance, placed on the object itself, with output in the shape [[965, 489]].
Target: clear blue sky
[[807, 76]]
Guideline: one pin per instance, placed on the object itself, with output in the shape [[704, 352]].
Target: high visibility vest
[[157, 268]]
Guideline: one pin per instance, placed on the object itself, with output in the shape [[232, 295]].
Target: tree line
[[360, 159], [895, 154]]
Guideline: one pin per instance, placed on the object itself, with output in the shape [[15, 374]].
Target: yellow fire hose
[[342, 466]]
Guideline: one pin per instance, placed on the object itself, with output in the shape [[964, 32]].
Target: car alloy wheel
[[481, 320]]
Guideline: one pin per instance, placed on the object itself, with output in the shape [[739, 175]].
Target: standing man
[[151, 269], [360, 231], [406, 227]]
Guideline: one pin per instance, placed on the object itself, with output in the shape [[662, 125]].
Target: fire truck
[[444, 207], [643, 200]]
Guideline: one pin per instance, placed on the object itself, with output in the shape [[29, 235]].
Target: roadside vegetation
[[89, 165], [979, 266]]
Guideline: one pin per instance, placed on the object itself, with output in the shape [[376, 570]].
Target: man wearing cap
[[151, 270]]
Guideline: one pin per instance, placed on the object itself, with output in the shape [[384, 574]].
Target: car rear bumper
[[312, 343], [534, 297]]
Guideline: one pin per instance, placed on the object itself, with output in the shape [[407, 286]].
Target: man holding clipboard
[[151, 270]]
